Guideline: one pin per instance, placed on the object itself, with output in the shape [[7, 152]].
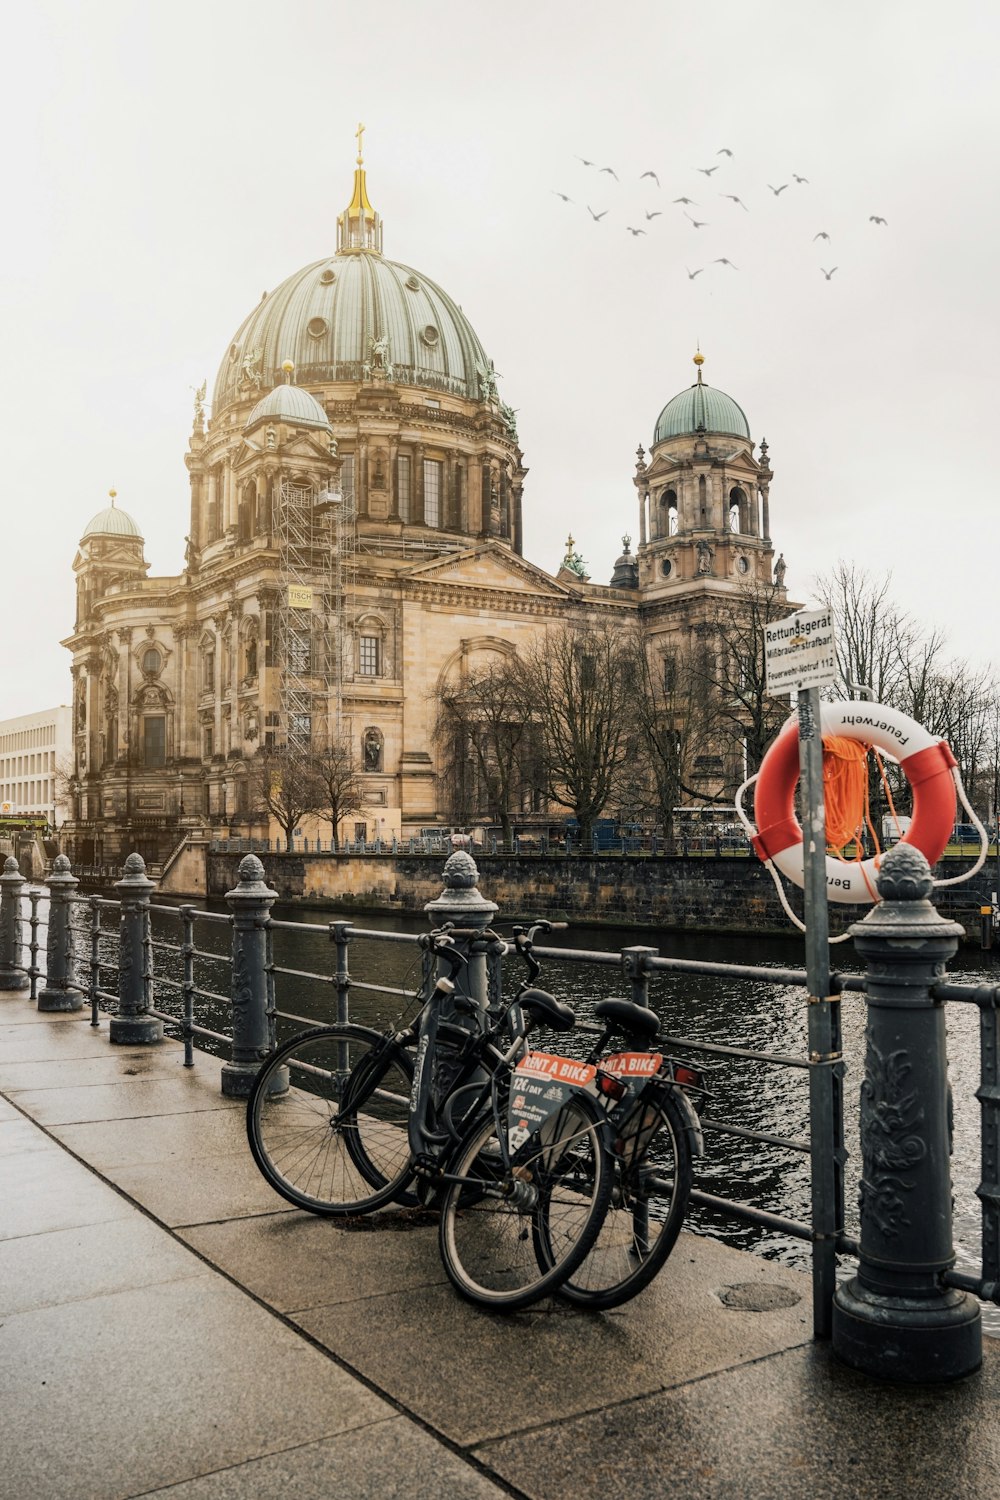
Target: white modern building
[[36, 758]]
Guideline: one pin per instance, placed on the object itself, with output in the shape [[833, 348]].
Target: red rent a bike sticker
[[541, 1084], [634, 1064]]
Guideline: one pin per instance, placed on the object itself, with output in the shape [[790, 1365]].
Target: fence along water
[[253, 993]]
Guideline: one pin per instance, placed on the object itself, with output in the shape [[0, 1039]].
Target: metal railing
[[146, 969]]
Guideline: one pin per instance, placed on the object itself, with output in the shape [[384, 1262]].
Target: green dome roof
[[288, 403], [701, 409], [324, 317], [111, 522]]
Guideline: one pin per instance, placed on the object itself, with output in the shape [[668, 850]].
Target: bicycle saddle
[[547, 1010], [634, 1019]]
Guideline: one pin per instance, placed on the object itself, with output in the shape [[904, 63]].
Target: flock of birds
[[685, 203]]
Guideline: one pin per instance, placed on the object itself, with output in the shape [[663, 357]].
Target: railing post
[[340, 932], [462, 904], [250, 903], [60, 993], [634, 969], [133, 1025], [895, 1318], [12, 882]]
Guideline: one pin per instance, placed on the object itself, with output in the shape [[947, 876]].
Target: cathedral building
[[355, 537]]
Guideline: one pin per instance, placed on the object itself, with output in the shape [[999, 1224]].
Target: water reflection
[[743, 1012]]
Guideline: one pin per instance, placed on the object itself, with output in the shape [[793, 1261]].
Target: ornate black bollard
[[133, 1024], [60, 993], [895, 1319], [462, 904], [250, 903], [12, 882]]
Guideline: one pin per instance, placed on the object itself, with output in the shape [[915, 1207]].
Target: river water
[[737, 1012]]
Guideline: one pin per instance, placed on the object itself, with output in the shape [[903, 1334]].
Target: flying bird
[[693, 274], [874, 219], [827, 273], [734, 199], [634, 231], [698, 223], [586, 163], [708, 170], [650, 174], [777, 190], [657, 212], [611, 170], [594, 216], [724, 152], [821, 236], [722, 261], [686, 200], [799, 179], [562, 196]]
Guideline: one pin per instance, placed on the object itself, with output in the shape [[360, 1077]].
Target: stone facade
[[394, 456]]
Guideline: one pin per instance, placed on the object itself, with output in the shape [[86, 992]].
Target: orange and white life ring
[[927, 762]]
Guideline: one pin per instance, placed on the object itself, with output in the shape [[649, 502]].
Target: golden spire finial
[[359, 226], [288, 366], [699, 360], [113, 494]]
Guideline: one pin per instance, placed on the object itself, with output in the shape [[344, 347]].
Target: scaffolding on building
[[317, 537]]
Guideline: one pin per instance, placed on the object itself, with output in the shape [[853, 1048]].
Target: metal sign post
[[800, 655]]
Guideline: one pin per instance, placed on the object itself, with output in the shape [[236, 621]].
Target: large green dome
[[701, 409], [325, 317]]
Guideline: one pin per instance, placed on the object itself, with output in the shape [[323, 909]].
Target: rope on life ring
[[930, 768]]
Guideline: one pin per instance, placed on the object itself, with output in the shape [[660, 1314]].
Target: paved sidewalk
[[169, 1326]]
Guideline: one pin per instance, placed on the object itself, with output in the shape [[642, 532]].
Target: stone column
[[60, 993], [896, 1319], [250, 903], [133, 1025], [12, 974]]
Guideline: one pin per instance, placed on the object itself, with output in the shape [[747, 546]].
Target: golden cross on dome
[[359, 133]]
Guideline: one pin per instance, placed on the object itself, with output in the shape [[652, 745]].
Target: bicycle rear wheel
[[555, 1193], [653, 1173], [335, 1142]]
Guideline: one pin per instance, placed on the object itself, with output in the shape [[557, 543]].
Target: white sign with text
[[800, 652]]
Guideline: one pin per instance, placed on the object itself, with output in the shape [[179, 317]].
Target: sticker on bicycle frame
[[541, 1085], [634, 1064]]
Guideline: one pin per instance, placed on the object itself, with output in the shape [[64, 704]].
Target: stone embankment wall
[[694, 894]]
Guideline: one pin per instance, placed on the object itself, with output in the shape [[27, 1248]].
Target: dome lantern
[[359, 227], [701, 409]]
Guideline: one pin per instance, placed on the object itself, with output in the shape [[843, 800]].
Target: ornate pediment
[[488, 566]]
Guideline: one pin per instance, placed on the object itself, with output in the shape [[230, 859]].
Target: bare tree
[[579, 690], [488, 745], [336, 769], [740, 716], [672, 718], [283, 783]]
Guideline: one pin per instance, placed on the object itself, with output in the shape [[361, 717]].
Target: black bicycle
[[343, 1120]]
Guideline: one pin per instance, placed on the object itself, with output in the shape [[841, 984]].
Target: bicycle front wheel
[[335, 1141], [495, 1220], [653, 1176]]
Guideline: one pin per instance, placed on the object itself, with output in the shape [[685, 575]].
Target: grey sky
[[165, 165]]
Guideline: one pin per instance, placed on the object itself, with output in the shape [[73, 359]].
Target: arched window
[[739, 511], [208, 664], [702, 502], [151, 661], [369, 650], [247, 511], [668, 513]]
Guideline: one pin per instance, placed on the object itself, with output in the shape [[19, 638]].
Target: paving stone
[[117, 1395], [44, 1190], [201, 1190], [109, 1144], [391, 1460], [22, 1043], [797, 1426], [131, 1098], [557, 1361], [295, 1260], [107, 1066], [89, 1260]]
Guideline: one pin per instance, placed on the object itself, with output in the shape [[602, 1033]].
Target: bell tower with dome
[[704, 519]]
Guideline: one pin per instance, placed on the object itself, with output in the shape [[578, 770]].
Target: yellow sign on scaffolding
[[300, 596]]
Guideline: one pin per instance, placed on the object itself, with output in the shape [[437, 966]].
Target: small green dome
[[111, 522], [288, 403], [701, 409]]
